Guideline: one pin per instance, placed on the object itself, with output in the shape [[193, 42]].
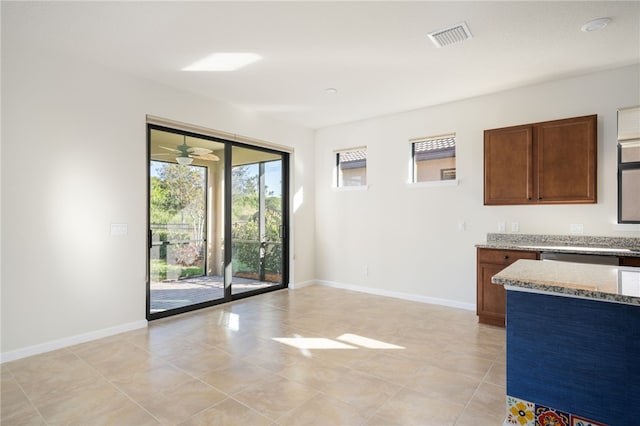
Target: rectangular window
[[351, 167], [629, 165], [434, 158]]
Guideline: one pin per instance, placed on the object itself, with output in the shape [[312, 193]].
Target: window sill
[[452, 182], [351, 188]]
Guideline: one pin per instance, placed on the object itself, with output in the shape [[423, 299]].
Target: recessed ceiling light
[[223, 62], [595, 25], [330, 90]]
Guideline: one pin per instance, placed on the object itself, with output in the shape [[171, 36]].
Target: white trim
[[233, 137], [70, 341], [302, 284], [355, 148], [433, 183], [397, 295]]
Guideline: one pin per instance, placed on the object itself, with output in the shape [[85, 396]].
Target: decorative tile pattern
[[525, 413], [520, 412], [546, 416], [581, 421]]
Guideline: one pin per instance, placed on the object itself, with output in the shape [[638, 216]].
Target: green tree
[[177, 196]]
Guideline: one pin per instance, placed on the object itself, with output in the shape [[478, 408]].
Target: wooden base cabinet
[[491, 298]]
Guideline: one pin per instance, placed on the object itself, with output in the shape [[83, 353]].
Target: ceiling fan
[[185, 154]]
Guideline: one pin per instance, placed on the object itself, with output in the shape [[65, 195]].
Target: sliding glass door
[[218, 215], [256, 219]]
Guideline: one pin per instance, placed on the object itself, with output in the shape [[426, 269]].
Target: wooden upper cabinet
[[567, 160], [508, 165], [552, 162]]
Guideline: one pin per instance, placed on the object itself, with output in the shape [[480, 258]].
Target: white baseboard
[[296, 286], [70, 341], [398, 295]]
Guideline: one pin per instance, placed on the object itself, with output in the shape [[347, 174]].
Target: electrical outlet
[[502, 227], [462, 226], [365, 270], [515, 227], [576, 228]]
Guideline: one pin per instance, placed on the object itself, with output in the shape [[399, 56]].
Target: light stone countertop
[[578, 244], [619, 284]]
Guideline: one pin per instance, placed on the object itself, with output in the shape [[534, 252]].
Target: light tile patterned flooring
[[383, 361]]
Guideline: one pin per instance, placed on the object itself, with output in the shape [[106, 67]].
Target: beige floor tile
[[162, 379], [100, 404], [313, 374], [489, 399], [468, 365], [221, 365], [50, 377], [392, 368], [363, 391], [5, 374], [236, 376], [119, 359], [275, 396], [228, 412], [31, 418], [181, 403], [444, 384], [13, 403], [497, 374], [199, 359], [323, 411], [472, 417], [409, 407]]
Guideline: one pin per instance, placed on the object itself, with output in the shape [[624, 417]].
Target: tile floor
[[340, 358]]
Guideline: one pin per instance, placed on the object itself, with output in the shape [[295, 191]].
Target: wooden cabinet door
[[566, 160], [491, 298], [630, 261], [508, 166]]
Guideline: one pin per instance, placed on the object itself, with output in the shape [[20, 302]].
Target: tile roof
[[357, 155], [435, 144]]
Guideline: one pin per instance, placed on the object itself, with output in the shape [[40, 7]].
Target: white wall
[[73, 162], [408, 237]]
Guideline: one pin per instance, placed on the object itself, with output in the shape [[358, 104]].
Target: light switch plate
[[119, 229], [576, 228], [502, 227]]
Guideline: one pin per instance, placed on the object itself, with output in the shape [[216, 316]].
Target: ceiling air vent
[[454, 34]]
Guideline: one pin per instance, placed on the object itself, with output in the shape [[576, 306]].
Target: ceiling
[[376, 54]]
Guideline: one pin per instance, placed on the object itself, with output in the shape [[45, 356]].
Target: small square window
[[351, 167], [434, 158]]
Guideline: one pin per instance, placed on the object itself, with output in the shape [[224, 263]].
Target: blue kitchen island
[[573, 343]]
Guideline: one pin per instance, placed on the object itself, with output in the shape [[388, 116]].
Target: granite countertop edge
[[566, 291], [613, 251]]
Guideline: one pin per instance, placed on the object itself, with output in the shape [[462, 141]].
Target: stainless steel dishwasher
[[579, 258]]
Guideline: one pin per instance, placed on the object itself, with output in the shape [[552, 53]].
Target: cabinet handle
[[529, 198], [539, 198], [506, 257]]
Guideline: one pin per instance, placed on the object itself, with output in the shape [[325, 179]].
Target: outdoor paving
[[173, 294]]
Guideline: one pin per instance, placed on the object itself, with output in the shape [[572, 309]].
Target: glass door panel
[[257, 220], [186, 231]]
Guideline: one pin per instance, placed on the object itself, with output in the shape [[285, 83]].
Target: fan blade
[[168, 149], [196, 150], [208, 157]]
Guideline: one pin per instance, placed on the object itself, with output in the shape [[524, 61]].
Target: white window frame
[[411, 176], [335, 173]]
